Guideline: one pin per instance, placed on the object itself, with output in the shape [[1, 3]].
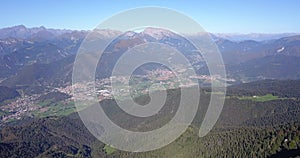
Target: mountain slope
[[7, 93], [53, 74]]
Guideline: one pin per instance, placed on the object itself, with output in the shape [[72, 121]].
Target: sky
[[224, 16]]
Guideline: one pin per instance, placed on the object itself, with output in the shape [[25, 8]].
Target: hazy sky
[[224, 16]]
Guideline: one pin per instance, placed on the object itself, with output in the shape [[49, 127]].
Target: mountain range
[[33, 55]]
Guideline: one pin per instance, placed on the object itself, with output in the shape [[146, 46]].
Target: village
[[102, 89]]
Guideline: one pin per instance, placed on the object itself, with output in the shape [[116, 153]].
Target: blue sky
[[227, 16]]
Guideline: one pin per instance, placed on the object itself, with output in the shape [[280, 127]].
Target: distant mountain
[[238, 52], [38, 33], [250, 60], [18, 53], [253, 36], [130, 39], [287, 46], [22, 55]]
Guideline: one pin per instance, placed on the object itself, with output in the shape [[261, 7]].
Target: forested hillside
[[247, 127]]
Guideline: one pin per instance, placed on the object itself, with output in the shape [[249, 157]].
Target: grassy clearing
[[57, 109], [264, 98], [109, 150]]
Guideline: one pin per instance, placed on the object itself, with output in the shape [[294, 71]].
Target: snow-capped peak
[[157, 33], [107, 32]]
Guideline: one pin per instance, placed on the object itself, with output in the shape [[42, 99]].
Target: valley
[[260, 117]]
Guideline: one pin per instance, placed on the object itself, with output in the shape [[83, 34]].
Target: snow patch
[[280, 50]]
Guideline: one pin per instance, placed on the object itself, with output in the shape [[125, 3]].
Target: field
[[263, 98], [55, 109]]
